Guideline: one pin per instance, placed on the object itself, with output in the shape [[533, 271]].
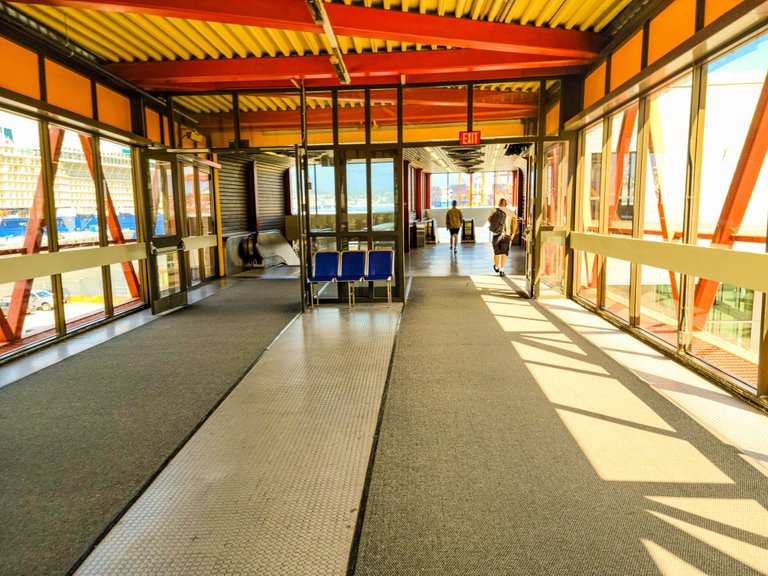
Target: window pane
[[621, 176], [383, 116], [215, 121], [209, 259], [126, 292], [206, 203], [383, 193], [435, 113], [659, 303], [509, 109], [590, 179], [21, 192], [163, 210], [169, 274], [553, 265], [351, 114], [322, 192], [668, 120], [439, 191], [728, 334], [555, 184], [190, 202], [617, 275], [74, 192], [733, 208], [319, 118], [84, 297], [35, 323], [356, 214], [270, 119], [193, 258], [588, 264], [118, 192]]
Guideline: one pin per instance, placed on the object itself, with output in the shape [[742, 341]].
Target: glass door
[[530, 228], [165, 247], [554, 218]]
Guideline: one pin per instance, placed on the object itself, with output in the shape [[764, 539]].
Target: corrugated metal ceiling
[[131, 37]]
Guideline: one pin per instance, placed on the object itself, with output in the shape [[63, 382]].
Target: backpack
[[497, 221]]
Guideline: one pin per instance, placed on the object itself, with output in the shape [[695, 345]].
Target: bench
[[351, 267]]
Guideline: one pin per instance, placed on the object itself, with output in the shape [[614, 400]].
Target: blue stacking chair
[[325, 268], [381, 267], [352, 271]]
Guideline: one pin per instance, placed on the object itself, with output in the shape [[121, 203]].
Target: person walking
[[503, 224], [453, 221]]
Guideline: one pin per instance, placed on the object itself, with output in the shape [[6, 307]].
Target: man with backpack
[[503, 224]]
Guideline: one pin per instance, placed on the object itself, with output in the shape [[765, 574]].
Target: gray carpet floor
[[80, 438], [475, 472]]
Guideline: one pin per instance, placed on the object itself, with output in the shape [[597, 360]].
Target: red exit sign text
[[469, 138]]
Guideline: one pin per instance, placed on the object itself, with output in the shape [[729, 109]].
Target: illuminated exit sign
[[469, 138]]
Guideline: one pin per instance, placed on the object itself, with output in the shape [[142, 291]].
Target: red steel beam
[[329, 82], [376, 67], [362, 22], [12, 326], [736, 201], [113, 225]]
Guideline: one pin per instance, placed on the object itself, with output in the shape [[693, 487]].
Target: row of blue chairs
[[351, 267]]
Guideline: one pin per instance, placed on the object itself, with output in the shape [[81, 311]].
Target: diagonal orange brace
[[736, 201], [113, 225], [625, 139], [33, 240]]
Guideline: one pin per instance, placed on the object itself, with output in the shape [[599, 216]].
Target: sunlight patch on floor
[[619, 452], [669, 564], [740, 513], [755, 557]]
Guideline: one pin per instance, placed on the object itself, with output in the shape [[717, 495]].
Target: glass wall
[[93, 199], [506, 109], [703, 191], [666, 164], [477, 189], [322, 192]]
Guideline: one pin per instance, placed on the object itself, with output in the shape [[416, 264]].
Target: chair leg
[[350, 295], [389, 293]]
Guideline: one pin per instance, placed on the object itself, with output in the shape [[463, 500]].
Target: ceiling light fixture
[[320, 17]]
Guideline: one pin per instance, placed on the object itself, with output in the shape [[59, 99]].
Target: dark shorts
[[454, 230], [501, 244]]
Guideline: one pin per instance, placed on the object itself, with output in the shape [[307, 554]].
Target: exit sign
[[469, 138]]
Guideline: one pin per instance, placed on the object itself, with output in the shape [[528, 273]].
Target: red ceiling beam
[[363, 22], [462, 33], [361, 67]]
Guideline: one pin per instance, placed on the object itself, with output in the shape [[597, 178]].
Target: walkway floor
[[275, 480]]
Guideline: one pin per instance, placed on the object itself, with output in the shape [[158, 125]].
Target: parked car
[[44, 299], [32, 305]]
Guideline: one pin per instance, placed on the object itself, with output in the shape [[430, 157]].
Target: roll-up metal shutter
[[235, 181], [270, 182]]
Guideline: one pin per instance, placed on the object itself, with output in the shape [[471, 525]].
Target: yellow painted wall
[[152, 120], [713, 9], [594, 86], [627, 60], [671, 28], [552, 121], [114, 108], [67, 89], [19, 69]]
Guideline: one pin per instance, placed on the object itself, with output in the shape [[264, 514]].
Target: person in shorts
[[453, 220], [501, 242]]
